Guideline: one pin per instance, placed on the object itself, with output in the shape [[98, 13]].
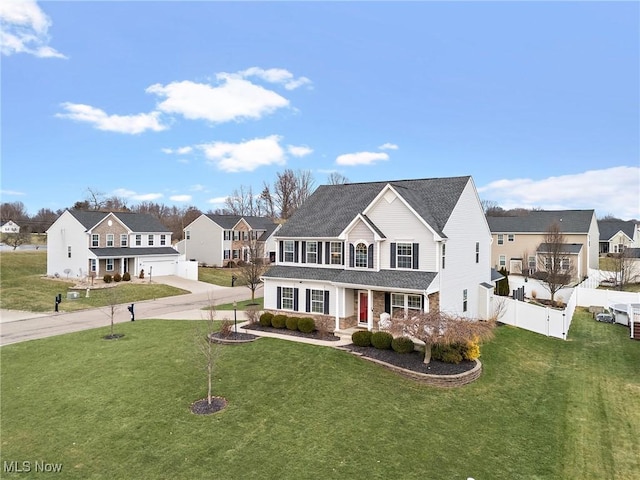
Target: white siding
[[205, 242], [271, 293], [466, 226], [66, 232], [593, 240]]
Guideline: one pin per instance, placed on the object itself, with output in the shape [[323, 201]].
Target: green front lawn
[[543, 409], [219, 276], [24, 287]]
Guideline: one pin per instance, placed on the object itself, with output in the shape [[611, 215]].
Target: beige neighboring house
[[618, 235], [10, 227], [518, 241], [215, 240]]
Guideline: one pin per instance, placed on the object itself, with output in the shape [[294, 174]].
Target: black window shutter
[[295, 298], [303, 259], [352, 254], [370, 256], [343, 254], [415, 256], [296, 251], [281, 246], [279, 300], [387, 302], [308, 306], [327, 253], [422, 303], [326, 302], [393, 255], [319, 252]]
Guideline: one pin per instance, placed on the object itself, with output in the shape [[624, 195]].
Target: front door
[[363, 307]]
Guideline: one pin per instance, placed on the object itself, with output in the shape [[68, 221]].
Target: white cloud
[[388, 146], [178, 151], [217, 200], [141, 197], [197, 188], [299, 151], [361, 158], [11, 192], [276, 75], [131, 124], [25, 29], [233, 99], [180, 198], [247, 156], [613, 191]]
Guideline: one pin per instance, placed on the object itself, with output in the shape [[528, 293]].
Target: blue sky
[[182, 102]]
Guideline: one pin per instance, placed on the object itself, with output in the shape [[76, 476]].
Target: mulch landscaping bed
[[202, 407], [413, 361], [330, 337], [235, 337]]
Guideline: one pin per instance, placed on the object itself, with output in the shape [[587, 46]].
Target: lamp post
[[235, 317]]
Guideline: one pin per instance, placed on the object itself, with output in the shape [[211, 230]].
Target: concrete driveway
[[22, 326]]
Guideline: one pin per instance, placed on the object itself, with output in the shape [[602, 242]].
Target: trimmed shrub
[[265, 319], [279, 321], [306, 325], [292, 323], [361, 338], [107, 278], [471, 350], [402, 345], [447, 353], [117, 277], [381, 340], [126, 277]]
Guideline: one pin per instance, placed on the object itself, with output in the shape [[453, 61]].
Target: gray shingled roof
[[538, 221], [136, 222], [573, 248], [410, 280], [229, 221], [331, 208], [132, 252], [609, 228]]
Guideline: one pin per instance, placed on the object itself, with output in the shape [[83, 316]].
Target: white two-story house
[[216, 240], [357, 251], [85, 243]]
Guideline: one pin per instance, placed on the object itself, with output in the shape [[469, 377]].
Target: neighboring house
[[218, 239], [616, 235], [359, 251], [519, 241], [10, 227], [86, 242]]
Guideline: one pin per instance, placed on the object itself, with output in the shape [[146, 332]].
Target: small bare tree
[[626, 267], [555, 269], [112, 307], [252, 270], [210, 351], [16, 239], [439, 328]]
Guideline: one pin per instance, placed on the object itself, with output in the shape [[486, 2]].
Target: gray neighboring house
[[91, 242], [215, 240], [617, 235], [361, 251], [518, 241]]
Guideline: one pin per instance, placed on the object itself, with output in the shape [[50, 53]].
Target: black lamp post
[[235, 317]]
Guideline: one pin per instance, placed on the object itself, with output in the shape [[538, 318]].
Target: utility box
[[73, 295]]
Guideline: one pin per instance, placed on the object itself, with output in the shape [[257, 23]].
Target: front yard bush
[[117, 277], [381, 340], [126, 277], [306, 325], [107, 278], [265, 319], [448, 353], [292, 323], [361, 338], [279, 321], [402, 345], [471, 351]]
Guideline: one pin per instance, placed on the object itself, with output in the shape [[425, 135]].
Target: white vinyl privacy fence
[[550, 321]]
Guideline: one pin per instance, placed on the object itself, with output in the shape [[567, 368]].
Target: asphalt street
[[23, 326]]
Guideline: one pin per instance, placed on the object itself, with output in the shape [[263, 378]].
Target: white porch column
[[339, 303], [370, 310]]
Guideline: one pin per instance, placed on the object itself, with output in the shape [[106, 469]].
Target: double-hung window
[[163, 240], [336, 253], [317, 301], [500, 239], [150, 240], [287, 298], [227, 234], [444, 254], [93, 264], [477, 252], [109, 262], [404, 304], [464, 300], [288, 251], [123, 240], [404, 256], [511, 237], [139, 240], [312, 252], [110, 240], [361, 255], [502, 260], [95, 240]]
